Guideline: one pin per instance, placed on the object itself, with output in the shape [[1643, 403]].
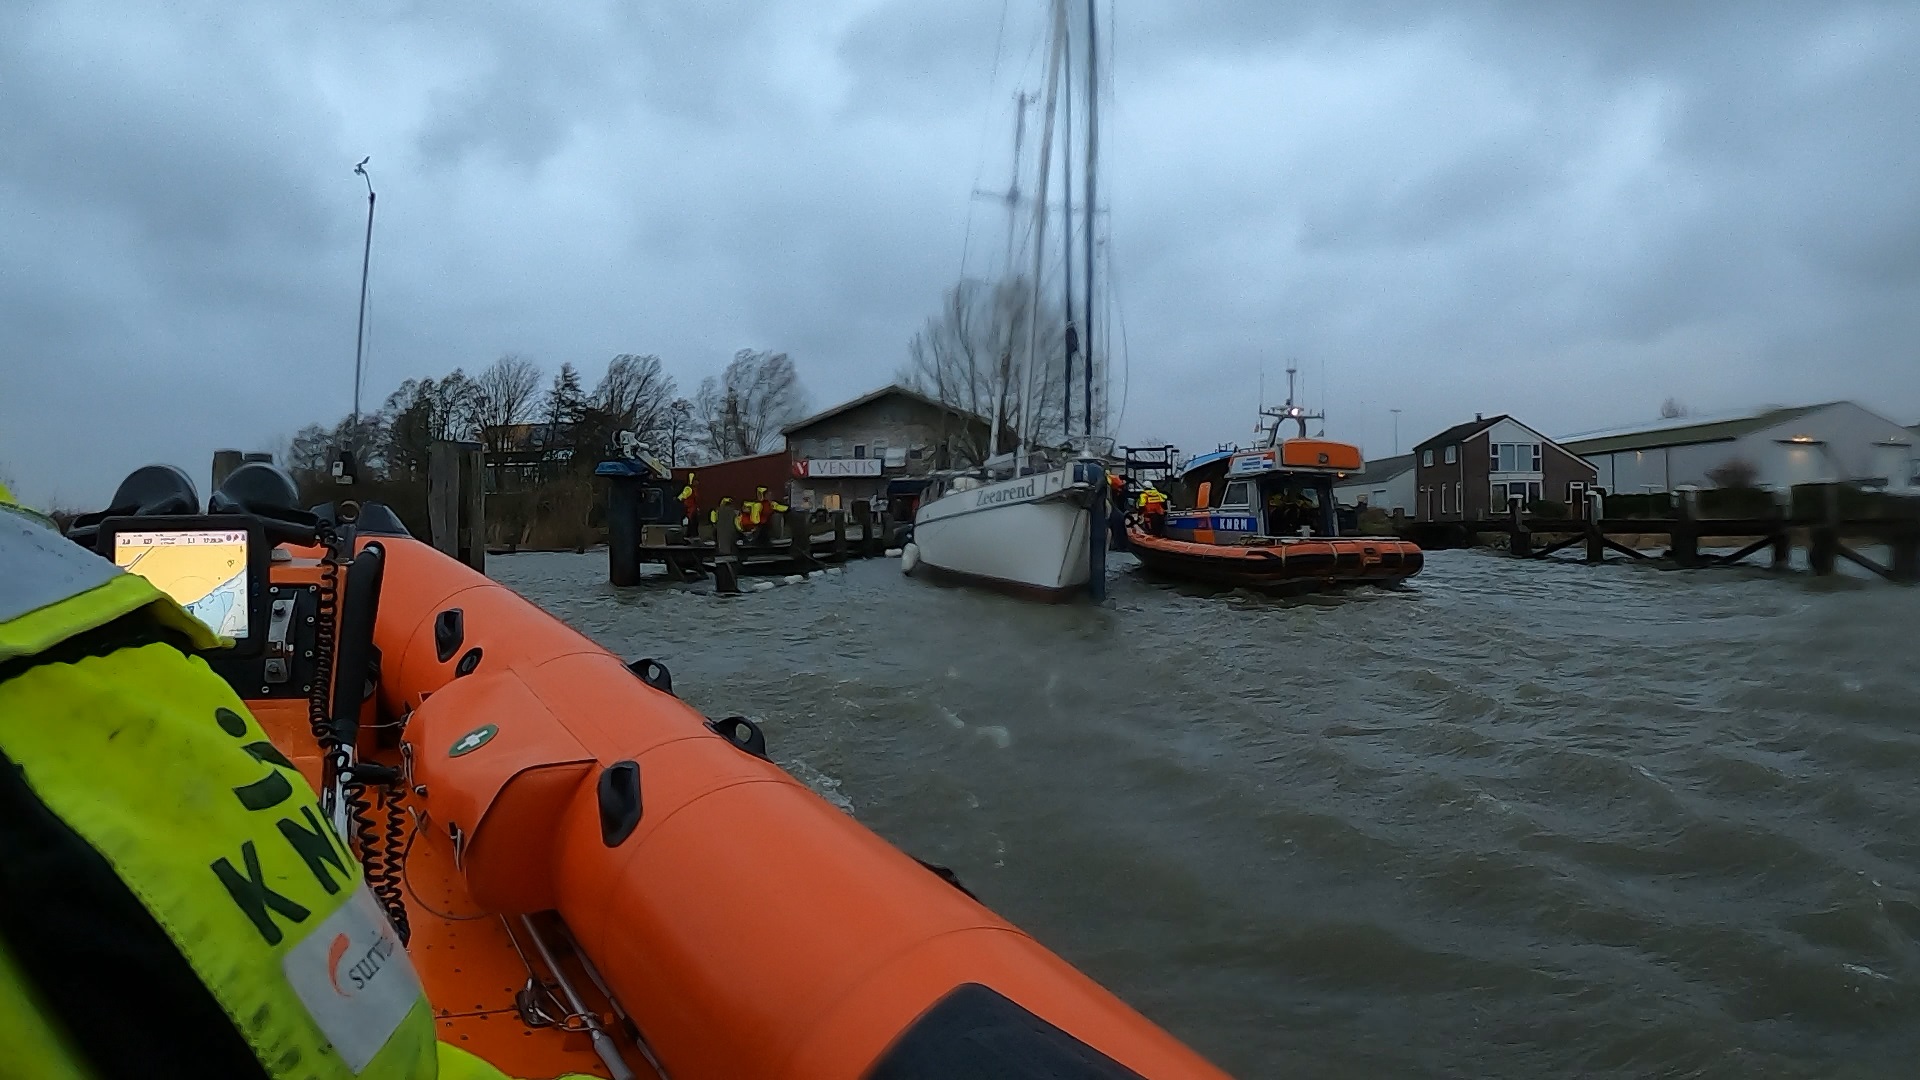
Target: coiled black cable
[[380, 850], [319, 700]]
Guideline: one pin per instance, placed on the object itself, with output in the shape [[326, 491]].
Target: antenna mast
[[1289, 411], [360, 338]]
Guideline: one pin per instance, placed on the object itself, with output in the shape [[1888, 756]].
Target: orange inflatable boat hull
[[1282, 564], [748, 928]]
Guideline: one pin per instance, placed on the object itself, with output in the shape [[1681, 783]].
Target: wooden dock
[[859, 533], [1826, 536]]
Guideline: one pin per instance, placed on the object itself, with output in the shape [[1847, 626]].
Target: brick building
[[878, 446], [1468, 471]]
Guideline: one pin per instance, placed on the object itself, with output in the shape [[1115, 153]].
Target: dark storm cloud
[[1569, 211]]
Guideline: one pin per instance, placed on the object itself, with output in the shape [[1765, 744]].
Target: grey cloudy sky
[[1565, 211]]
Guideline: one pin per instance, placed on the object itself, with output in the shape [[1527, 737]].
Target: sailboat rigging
[[1034, 521]]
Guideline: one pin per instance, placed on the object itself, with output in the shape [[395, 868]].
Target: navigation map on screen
[[204, 569]]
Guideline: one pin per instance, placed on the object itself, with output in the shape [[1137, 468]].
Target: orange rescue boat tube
[[748, 927]]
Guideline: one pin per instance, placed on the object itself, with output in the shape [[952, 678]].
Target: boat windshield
[[1296, 504]]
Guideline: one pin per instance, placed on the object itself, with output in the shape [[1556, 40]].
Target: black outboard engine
[[259, 488], [147, 491], [157, 489]]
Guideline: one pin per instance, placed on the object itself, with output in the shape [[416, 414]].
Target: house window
[[1576, 492], [834, 447], [1530, 492], [1458, 506], [880, 450], [1453, 454], [859, 450], [1443, 499], [1239, 496], [1514, 457], [1426, 458]]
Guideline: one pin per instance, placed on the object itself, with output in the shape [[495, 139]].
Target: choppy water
[[1518, 820]]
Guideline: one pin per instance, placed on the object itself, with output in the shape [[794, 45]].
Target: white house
[[1385, 484], [1836, 440]]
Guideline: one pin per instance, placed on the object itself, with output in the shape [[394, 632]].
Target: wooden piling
[[1905, 544], [1685, 538], [1782, 537], [224, 462], [863, 517], [839, 520], [1823, 544], [623, 532], [800, 537], [456, 501], [726, 551], [1596, 539], [1519, 540]]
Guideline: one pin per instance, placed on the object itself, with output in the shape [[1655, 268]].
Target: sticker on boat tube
[[473, 740], [354, 979]]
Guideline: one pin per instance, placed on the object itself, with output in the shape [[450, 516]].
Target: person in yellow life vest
[[756, 518], [1153, 510], [725, 507], [690, 503], [172, 902]]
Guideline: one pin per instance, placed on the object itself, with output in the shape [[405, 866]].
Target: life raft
[[591, 869], [1282, 564]]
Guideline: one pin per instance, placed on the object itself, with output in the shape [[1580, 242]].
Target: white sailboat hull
[[1028, 534]]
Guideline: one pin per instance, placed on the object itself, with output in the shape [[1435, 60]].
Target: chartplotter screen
[[204, 569]]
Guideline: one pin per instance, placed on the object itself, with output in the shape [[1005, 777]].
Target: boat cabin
[[1277, 491]]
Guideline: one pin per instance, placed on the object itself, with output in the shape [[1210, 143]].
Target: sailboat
[[1032, 521]]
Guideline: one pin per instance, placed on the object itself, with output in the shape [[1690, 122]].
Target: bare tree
[[680, 431], [565, 400], [421, 412], [1672, 409], [1734, 473], [308, 450], [744, 410], [971, 356], [632, 396], [508, 392]]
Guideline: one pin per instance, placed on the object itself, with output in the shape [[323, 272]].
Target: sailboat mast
[[1092, 208], [1068, 342], [1000, 378], [1028, 406]]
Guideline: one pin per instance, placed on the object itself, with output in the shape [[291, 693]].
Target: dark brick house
[[1469, 470]]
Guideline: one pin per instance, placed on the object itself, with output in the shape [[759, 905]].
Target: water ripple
[[1513, 820]]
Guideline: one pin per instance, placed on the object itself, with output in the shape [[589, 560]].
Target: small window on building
[[1576, 492], [1453, 454], [1459, 507], [1443, 497], [1536, 457], [1426, 457], [834, 447], [859, 450], [880, 449]]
